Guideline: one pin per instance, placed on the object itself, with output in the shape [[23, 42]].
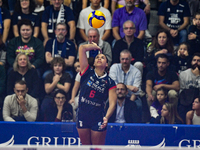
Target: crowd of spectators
[[39, 66]]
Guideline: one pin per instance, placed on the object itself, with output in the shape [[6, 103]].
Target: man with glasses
[[126, 110], [131, 43], [20, 106], [129, 12], [60, 47], [128, 74]]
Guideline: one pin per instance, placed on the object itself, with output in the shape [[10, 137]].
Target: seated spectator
[[155, 108], [56, 13], [22, 70], [182, 59], [83, 25], [26, 43], [128, 74], [93, 36], [170, 115], [59, 109], [24, 9], [189, 83], [194, 35], [161, 44], [131, 43], [126, 110], [20, 106], [60, 47], [174, 17], [5, 21], [193, 116], [162, 77], [3, 50], [129, 12], [54, 81]]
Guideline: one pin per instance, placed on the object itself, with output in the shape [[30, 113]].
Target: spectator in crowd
[[59, 109], [161, 44], [170, 115], [156, 107], [93, 36], [193, 116], [24, 9], [182, 59], [5, 21], [22, 70], [11, 6], [189, 86], [131, 43], [162, 77], [174, 17], [54, 81], [194, 6], [126, 110], [3, 50], [86, 3], [126, 73], [60, 47], [129, 12], [194, 35], [83, 25], [27, 44], [20, 106], [2, 88], [54, 14]]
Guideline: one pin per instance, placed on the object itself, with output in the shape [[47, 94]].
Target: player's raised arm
[[82, 54]]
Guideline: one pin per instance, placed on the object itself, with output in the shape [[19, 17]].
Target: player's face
[[161, 96], [162, 39], [196, 104], [162, 64], [60, 99], [77, 67], [129, 29], [100, 61], [20, 90], [95, 3], [26, 32], [195, 62], [164, 111], [24, 4], [197, 20], [57, 4], [129, 3], [22, 61], [60, 32], [125, 59], [93, 36], [121, 92], [182, 49], [58, 68]]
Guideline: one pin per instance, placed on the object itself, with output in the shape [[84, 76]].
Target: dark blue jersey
[[94, 92]]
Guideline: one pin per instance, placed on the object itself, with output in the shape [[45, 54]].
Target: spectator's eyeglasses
[[131, 28]]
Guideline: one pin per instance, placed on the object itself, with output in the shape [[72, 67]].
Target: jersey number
[[92, 93]]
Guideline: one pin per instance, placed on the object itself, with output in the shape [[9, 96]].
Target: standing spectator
[[26, 43], [126, 110], [24, 9], [20, 106], [60, 46], [22, 70], [5, 21], [193, 116], [129, 12], [59, 109], [174, 17], [131, 43], [83, 25], [54, 14], [93, 36], [162, 77]]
